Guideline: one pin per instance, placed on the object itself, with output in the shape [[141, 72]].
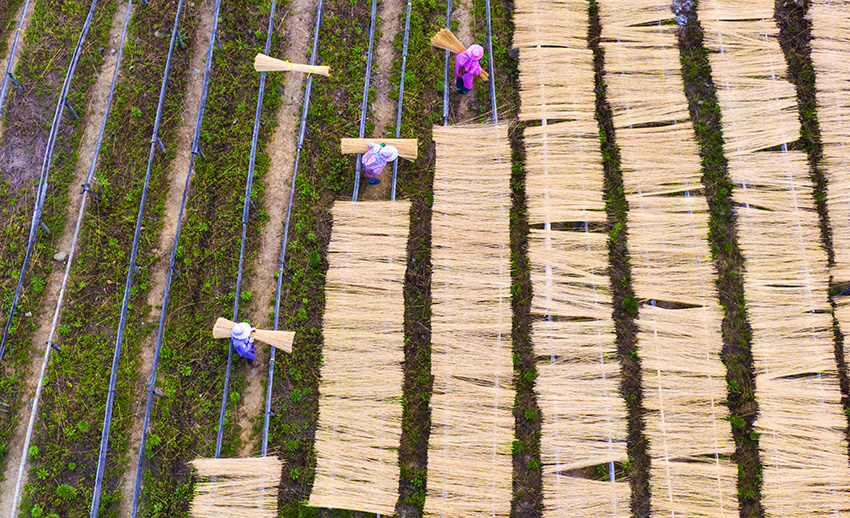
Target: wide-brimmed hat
[[241, 331], [475, 51], [388, 153]]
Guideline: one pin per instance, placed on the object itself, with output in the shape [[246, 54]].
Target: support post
[[86, 187], [73, 113], [15, 81]]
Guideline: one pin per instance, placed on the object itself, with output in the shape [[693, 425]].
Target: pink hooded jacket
[[468, 59], [376, 158]]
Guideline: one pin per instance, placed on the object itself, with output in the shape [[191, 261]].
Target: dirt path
[[4, 61], [299, 24], [463, 14], [384, 108], [92, 118], [176, 180]]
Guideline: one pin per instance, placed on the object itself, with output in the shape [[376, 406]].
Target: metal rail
[[401, 93], [282, 264], [107, 419], [166, 296], [154, 141], [246, 207], [33, 228], [365, 103], [490, 59], [446, 69], [45, 172], [12, 52]]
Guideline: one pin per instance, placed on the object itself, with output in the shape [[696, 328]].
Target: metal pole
[[282, 262], [365, 103]]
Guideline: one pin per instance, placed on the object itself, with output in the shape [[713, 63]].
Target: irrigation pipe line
[[36, 218], [246, 207], [45, 172], [446, 67], [110, 397], [154, 141], [490, 65], [401, 92], [11, 63], [282, 263], [364, 105], [170, 276], [107, 419]]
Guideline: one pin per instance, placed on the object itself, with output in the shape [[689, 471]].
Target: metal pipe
[[155, 141], [365, 103], [282, 263], [251, 164], [110, 397], [33, 228], [446, 69], [401, 93], [12, 53], [490, 65], [45, 172]]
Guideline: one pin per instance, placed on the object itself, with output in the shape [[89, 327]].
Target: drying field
[[621, 293]]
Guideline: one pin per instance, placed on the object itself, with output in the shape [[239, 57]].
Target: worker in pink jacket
[[468, 61], [375, 159]]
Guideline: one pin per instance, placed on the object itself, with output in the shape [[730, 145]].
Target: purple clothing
[[373, 162], [470, 66], [244, 346]]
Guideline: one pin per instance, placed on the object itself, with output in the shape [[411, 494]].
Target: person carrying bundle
[[466, 59], [468, 62], [242, 339], [374, 160]]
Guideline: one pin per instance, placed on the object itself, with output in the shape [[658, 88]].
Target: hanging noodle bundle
[[242, 487], [683, 377], [583, 417], [556, 66], [800, 417], [830, 48], [360, 393], [469, 450]]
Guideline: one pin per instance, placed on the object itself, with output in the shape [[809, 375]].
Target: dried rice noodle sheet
[[242, 487], [359, 428], [469, 451], [583, 415], [786, 280], [679, 339], [830, 48]]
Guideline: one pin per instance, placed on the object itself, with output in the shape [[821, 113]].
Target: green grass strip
[[41, 69], [192, 364]]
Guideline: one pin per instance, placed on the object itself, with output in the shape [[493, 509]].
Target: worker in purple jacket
[[242, 338], [374, 160], [468, 61]]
